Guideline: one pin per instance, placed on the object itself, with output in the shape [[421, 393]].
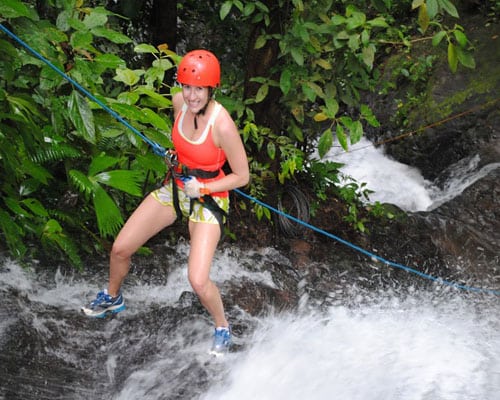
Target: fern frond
[[53, 236], [109, 218], [55, 152], [81, 182], [13, 234]]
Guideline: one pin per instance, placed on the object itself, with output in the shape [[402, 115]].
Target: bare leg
[[146, 221], [204, 239]]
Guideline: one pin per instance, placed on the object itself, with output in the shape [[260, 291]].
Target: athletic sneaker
[[104, 304], [222, 341]]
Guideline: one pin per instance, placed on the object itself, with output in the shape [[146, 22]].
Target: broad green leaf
[[113, 36], [101, 163], [367, 114], [129, 98], [338, 20], [155, 120], [461, 38], [146, 48], [369, 55], [271, 150], [15, 206], [127, 76], [35, 207], [94, 20], [378, 22], [438, 37], [356, 20], [130, 112], [354, 41], [325, 142], [81, 39], [163, 63], [341, 136], [320, 117], [225, 9], [260, 42], [155, 98], [448, 6], [324, 64], [308, 91], [356, 132], [332, 107], [262, 93], [432, 8], [297, 56], [124, 180], [465, 58], [14, 9], [423, 17], [82, 117], [249, 9], [286, 81], [417, 3]]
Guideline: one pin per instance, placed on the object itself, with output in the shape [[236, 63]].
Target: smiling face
[[196, 97]]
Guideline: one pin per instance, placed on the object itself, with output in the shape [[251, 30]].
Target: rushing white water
[[393, 350], [422, 345], [400, 184], [406, 345]]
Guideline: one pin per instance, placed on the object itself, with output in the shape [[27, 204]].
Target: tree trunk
[[260, 62]]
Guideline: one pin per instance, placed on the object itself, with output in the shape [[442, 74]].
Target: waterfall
[[406, 343]]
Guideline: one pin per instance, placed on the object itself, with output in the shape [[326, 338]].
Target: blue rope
[[159, 150], [374, 257]]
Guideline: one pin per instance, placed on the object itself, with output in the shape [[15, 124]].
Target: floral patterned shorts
[[199, 213]]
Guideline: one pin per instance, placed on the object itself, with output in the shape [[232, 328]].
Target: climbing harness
[[182, 172], [157, 149]]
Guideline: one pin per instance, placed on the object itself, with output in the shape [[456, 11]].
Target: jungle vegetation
[[294, 74]]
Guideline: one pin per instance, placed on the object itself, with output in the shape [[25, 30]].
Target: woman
[[204, 137]]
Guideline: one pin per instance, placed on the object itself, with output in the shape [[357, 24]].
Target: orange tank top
[[201, 153]]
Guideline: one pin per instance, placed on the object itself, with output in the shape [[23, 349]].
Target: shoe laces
[[222, 336], [101, 298]]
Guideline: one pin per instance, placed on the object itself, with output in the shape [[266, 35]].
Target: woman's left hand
[[193, 188]]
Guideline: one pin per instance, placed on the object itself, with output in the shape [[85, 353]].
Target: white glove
[[193, 188]]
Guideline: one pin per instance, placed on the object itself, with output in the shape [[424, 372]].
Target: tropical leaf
[[13, 234], [54, 236], [124, 180], [101, 163], [82, 183], [109, 218], [82, 117], [56, 152]]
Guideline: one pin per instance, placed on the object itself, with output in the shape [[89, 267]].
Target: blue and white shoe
[[222, 341], [104, 305]]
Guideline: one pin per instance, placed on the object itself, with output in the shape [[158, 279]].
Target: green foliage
[[329, 52], [68, 168], [458, 46]]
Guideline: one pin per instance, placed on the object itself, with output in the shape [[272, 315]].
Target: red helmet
[[199, 68]]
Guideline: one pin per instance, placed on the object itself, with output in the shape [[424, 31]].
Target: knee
[[120, 250], [199, 285]]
